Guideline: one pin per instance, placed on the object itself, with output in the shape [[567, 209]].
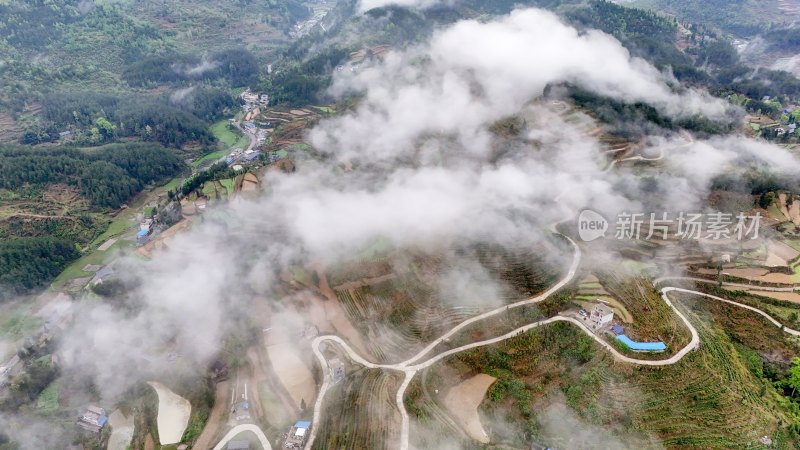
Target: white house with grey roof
[[601, 315]]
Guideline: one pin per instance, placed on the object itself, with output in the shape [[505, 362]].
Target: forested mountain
[[237, 66], [143, 80], [697, 54], [149, 77], [50, 45]]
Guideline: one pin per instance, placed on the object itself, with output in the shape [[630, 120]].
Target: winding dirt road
[[410, 369]]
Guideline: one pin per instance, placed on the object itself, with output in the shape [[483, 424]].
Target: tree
[[794, 375], [105, 127]]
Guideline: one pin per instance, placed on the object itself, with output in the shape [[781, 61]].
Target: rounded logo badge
[[591, 225]]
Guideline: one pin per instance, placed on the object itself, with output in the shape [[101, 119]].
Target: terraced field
[[360, 412], [398, 316], [591, 292]]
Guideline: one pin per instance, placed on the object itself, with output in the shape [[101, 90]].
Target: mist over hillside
[[246, 219]]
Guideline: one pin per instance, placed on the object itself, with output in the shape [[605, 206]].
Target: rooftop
[[602, 310], [642, 346]]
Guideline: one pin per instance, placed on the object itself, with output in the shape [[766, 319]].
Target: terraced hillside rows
[[360, 412], [399, 315], [397, 312]]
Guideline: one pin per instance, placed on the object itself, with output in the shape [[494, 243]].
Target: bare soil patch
[[107, 244], [782, 250], [173, 414], [295, 376], [121, 431], [463, 400]]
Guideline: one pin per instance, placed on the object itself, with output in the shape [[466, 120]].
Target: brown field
[[749, 272], [249, 182], [295, 376], [463, 400], [10, 130], [360, 412], [793, 297]]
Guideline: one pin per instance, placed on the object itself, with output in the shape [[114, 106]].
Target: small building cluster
[[296, 438], [160, 220], [252, 100], [93, 419], [602, 316], [250, 155]]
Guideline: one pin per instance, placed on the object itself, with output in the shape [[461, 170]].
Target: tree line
[[238, 66], [102, 117], [28, 262], [108, 177]]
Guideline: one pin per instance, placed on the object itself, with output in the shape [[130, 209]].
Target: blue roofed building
[[93, 419], [642, 346], [297, 436], [142, 236]]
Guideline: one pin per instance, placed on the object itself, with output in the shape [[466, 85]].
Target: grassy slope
[[227, 137], [653, 320]]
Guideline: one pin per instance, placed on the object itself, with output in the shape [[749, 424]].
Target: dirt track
[[216, 420]]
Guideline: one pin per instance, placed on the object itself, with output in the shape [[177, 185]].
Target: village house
[[296, 438], [601, 315], [93, 419]]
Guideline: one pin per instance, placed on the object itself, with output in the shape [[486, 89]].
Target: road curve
[[410, 370], [772, 320], [753, 287], [576, 259], [244, 427]]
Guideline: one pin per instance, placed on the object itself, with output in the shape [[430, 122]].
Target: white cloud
[[474, 73]]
